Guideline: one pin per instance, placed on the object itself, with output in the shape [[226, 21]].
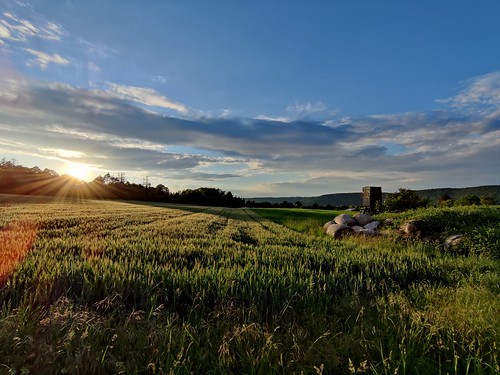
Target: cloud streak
[[17, 29], [145, 96], [108, 128], [43, 59]]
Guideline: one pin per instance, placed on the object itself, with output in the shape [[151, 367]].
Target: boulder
[[413, 228], [357, 228], [363, 219], [345, 219], [339, 230], [327, 224], [453, 241], [372, 226], [368, 232]]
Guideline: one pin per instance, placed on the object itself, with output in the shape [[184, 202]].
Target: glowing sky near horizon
[[265, 98]]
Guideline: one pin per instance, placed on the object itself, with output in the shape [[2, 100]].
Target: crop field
[[300, 220], [97, 287]]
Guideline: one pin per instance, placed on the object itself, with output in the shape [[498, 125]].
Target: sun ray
[[78, 170]]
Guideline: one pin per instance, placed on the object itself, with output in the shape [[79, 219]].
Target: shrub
[[403, 200], [445, 201], [469, 200], [487, 200]]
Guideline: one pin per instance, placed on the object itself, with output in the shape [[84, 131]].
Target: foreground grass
[[119, 288]]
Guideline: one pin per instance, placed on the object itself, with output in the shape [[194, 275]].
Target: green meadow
[[98, 287], [298, 219]]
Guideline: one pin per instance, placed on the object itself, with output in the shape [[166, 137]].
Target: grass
[[110, 287], [302, 220]]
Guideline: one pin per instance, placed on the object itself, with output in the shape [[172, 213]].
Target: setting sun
[[78, 170]]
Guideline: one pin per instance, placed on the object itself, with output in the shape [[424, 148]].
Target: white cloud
[[310, 111], [145, 96], [275, 119], [63, 153], [43, 59], [160, 79], [435, 147], [4, 32], [18, 29], [307, 107], [481, 90]]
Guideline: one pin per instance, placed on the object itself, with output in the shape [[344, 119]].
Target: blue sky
[[263, 98]]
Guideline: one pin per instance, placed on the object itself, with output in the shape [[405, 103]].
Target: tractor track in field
[[258, 220]]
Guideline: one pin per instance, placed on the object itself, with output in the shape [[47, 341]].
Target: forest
[[18, 179]]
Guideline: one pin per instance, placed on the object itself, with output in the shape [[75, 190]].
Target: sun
[[78, 170]]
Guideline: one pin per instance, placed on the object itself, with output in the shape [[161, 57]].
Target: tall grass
[[109, 287]]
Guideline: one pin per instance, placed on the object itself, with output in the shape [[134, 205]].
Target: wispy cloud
[[43, 59], [482, 90], [160, 79], [271, 118], [14, 28], [308, 110], [63, 153], [145, 96], [307, 107]]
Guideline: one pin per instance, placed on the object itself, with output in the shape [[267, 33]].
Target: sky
[[260, 98]]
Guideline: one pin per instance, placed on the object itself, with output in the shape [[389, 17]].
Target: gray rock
[[372, 226], [345, 219], [413, 228], [363, 219], [368, 232], [357, 228], [339, 230], [453, 241]]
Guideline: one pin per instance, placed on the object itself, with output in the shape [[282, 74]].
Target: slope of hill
[[355, 199], [456, 193], [337, 199]]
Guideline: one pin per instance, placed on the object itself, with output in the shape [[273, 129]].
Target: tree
[[445, 201], [403, 200], [99, 180], [162, 189], [487, 200], [469, 200]]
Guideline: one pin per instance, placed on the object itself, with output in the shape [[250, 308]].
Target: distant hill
[[456, 193], [337, 199], [355, 199]]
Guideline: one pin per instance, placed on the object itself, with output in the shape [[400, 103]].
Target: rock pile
[[360, 224]]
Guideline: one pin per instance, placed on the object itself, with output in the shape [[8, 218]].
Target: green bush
[[469, 200], [487, 200], [403, 200]]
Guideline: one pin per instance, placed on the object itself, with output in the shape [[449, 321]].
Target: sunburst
[[78, 170]]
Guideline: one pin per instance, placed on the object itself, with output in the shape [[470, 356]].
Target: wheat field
[[110, 287]]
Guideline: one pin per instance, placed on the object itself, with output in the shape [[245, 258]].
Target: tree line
[[17, 179]]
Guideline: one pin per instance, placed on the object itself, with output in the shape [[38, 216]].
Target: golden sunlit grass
[[16, 240]]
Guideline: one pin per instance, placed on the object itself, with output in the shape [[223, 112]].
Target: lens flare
[[78, 170]]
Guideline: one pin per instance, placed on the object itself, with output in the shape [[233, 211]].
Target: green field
[[301, 220], [96, 287]]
